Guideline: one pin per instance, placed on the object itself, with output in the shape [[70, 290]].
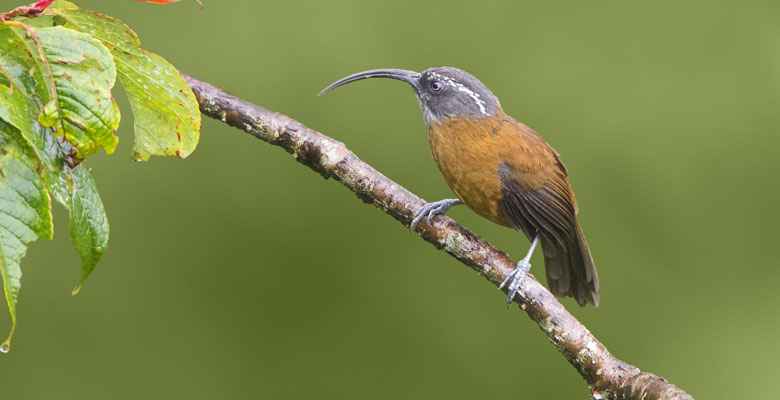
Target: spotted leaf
[[25, 212], [167, 116]]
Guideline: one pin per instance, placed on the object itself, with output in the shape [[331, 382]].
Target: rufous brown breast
[[470, 154]]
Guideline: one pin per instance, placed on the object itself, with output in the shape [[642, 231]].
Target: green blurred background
[[238, 273]]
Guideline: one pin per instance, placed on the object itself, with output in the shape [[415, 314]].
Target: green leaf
[[55, 105], [84, 73], [19, 108], [88, 222], [25, 212], [167, 117], [21, 62], [73, 188], [78, 72]]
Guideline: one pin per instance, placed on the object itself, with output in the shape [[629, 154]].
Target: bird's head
[[443, 92]]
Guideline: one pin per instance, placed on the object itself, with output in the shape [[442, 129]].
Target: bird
[[502, 170]]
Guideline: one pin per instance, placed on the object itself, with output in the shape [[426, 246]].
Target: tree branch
[[607, 377]]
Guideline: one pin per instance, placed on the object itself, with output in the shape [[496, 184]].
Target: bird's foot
[[430, 210], [515, 278]]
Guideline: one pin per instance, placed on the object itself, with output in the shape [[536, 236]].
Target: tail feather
[[570, 269]]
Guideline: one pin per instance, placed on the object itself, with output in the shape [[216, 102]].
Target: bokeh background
[[240, 274]]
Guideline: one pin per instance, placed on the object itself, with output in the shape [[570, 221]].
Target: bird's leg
[[519, 273], [429, 210]]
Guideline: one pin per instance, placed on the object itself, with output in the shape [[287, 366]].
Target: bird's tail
[[570, 269]]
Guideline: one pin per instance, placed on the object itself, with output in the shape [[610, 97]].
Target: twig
[[607, 377]]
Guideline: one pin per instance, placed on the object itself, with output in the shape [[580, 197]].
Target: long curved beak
[[409, 77]]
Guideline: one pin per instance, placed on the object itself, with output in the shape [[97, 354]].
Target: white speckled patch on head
[[447, 92], [463, 89]]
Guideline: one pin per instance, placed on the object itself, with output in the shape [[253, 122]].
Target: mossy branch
[[606, 376]]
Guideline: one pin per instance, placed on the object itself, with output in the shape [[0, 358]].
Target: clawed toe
[[430, 210], [515, 278], [425, 212]]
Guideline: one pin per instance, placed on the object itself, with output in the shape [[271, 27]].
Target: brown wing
[[537, 197]]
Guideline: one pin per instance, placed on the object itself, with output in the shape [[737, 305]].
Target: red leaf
[[167, 2], [43, 4], [31, 10]]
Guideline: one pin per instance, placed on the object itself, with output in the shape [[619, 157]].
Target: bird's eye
[[436, 86]]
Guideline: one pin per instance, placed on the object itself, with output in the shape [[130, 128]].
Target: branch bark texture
[[606, 376]]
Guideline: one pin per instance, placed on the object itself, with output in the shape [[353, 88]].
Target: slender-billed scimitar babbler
[[504, 171]]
